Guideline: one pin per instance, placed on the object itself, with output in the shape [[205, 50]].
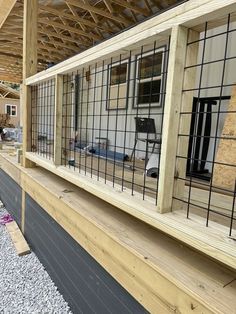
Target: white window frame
[[112, 65], [109, 85], [154, 78], [11, 115]]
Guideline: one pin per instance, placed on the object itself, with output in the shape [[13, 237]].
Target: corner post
[[177, 55], [30, 42], [58, 119]]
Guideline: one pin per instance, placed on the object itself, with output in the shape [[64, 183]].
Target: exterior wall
[[6, 101]]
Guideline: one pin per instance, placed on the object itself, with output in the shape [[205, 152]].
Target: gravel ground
[[25, 286]]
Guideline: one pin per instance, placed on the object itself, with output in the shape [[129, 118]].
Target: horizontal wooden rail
[[188, 14]]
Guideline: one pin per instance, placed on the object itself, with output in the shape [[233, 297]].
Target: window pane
[[8, 110], [149, 92], [118, 74], [150, 66], [13, 110]]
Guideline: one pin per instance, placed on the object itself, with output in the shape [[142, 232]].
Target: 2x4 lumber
[[185, 120], [75, 17], [88, 7], [60, 36], [69, 28], [17, 238], [109, 5], [58, 119], [30, 60], [178, 46], [131, 6], [6, 7], [189, 14]]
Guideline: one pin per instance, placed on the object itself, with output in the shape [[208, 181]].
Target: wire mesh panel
[[112, 119], [43, 107], [210, 158]]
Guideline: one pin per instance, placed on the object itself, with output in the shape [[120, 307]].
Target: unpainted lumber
[[18, 239]]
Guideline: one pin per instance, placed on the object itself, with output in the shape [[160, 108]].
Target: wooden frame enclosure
[[183, 24]]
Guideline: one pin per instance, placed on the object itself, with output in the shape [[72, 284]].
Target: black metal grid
[[43, 107], [206, 166], [99, 113]]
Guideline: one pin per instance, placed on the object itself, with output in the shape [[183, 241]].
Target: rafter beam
[[88, 7], [6, 7], [108, 5], [130, 5], [75, 17], [69, 29]]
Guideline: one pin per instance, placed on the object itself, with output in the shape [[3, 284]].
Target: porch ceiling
[[67, 27]]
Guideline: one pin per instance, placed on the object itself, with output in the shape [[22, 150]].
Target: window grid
[[209, 167], [43, 108], [99, 143]]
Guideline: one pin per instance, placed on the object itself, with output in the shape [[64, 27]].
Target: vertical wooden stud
[[30, 43], [185, 120], [58, 119], [178, 47]]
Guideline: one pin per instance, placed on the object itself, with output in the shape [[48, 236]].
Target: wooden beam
[[75, 17], [17, 238], [130, 5], [171, 118], [188, 14], [69, 28], [60, 36], [109, 5], [88, 7], [58, 119], [185, 120], [30, 40], [6, 7]]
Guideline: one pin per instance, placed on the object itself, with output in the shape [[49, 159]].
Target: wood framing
[[185, 120], [176, 64], [58, 119], [150, 265], [192, 232], [29, 68], [6, 7], [189, 14]]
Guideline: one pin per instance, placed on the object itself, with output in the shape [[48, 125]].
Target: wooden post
[[58, 119], [30, 42], [178, 46], [185, 120]]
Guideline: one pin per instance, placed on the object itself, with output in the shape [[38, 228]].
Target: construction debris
[[5, 121]]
